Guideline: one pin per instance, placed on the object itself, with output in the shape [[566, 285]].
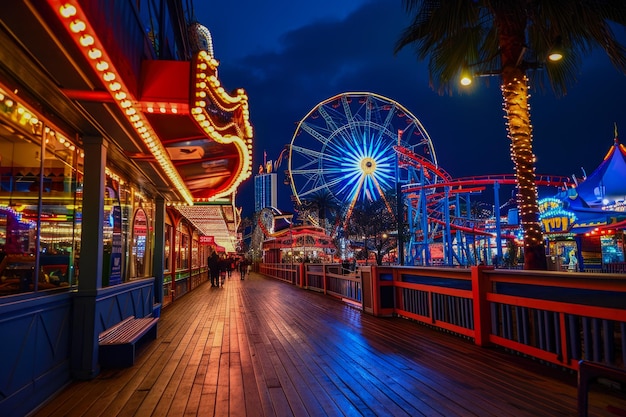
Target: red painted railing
[[556, 317]]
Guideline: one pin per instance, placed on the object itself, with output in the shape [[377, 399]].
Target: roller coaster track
[[473, 182], [437, 187]]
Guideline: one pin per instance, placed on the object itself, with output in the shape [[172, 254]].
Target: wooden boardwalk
[[260, 347]]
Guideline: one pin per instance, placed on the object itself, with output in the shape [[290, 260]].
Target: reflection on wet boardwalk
[[260, 347]]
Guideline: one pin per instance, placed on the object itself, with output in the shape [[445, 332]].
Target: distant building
[[265, 191]]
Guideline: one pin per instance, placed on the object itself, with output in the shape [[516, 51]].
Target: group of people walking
[[222, 267]]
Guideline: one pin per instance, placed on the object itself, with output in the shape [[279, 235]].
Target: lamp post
[[381, 249], [365, 249], [514, 88]]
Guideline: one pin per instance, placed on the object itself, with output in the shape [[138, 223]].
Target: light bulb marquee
[[78, 26], [223, 117]]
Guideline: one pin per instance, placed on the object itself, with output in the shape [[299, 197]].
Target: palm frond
[[453, 35]]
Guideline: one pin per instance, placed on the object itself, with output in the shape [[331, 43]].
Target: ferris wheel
[[346, 148]]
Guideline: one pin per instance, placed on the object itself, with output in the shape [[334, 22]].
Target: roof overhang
[[205, 130]]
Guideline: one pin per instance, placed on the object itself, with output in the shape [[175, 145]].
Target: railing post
[[482, 312], [324, 278], [303, 279], [375, 288]]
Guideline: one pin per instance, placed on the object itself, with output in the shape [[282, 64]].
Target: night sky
[[290, 55]]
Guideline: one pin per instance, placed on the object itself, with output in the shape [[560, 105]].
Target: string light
[[210, 94], [517, 116]]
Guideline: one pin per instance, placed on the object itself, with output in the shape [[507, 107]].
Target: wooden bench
[[117, 344], [590, 372]]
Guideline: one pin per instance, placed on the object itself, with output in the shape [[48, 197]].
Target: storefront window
[[184, 251], [184, 246], [40, 204], [178, 255], [612, 249], [566, 255], [195, 256], [140, 235], [113, 232], [166, 255]]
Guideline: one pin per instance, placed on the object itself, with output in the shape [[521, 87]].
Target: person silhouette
[[214, 268]]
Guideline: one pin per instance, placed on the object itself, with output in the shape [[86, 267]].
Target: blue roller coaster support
[[496, 213]]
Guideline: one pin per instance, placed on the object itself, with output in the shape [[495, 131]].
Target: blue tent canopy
[[607, 184]]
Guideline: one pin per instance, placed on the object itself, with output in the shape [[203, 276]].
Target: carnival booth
[[585, 224], [286, 242], [299, 244]]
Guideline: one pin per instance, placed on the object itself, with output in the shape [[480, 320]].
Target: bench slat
[[130, 331], [114, 328], [117, 344]]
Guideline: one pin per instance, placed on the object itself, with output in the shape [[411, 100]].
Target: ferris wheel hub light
[[368, 166]]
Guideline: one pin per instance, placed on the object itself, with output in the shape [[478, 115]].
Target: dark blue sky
[[290, 55]]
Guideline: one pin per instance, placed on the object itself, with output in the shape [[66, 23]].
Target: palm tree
[[511, 39], [374, 223], [324, 204]]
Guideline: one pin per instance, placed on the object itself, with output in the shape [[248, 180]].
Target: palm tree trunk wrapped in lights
[[515, 96], [509, 39]]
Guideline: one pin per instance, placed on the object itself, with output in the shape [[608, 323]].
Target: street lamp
[[554, 55], [556, 52], [466, 76], [365, 249]]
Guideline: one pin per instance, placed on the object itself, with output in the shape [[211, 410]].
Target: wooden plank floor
[[260, 347]]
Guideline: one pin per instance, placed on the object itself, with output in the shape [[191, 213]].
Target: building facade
[[113, 124], [265, 191]]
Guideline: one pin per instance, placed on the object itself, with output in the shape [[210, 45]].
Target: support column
[[158, 257], [496, 210], [84, 357], [448, 236]]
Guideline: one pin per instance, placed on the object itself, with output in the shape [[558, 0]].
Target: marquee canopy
[[172, 117]]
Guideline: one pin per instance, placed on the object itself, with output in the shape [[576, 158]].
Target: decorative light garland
[[207, 83]]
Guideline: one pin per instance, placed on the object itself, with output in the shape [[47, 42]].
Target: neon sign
[[553, 217]]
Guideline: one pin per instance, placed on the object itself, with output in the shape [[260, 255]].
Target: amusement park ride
[[355, 146]]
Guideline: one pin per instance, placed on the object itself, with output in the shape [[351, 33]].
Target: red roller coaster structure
[[441, 230]]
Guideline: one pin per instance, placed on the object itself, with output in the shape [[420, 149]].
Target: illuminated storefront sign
[[553, 217], [207, 240]]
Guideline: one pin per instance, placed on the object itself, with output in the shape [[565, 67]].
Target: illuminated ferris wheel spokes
[[344, 147]]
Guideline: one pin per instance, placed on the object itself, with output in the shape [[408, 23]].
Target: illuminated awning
[[217, 221], [205, 130]]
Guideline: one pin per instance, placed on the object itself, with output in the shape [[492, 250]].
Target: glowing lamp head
[[555, 56]]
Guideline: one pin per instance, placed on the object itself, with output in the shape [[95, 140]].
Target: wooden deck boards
[[260, 347]]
